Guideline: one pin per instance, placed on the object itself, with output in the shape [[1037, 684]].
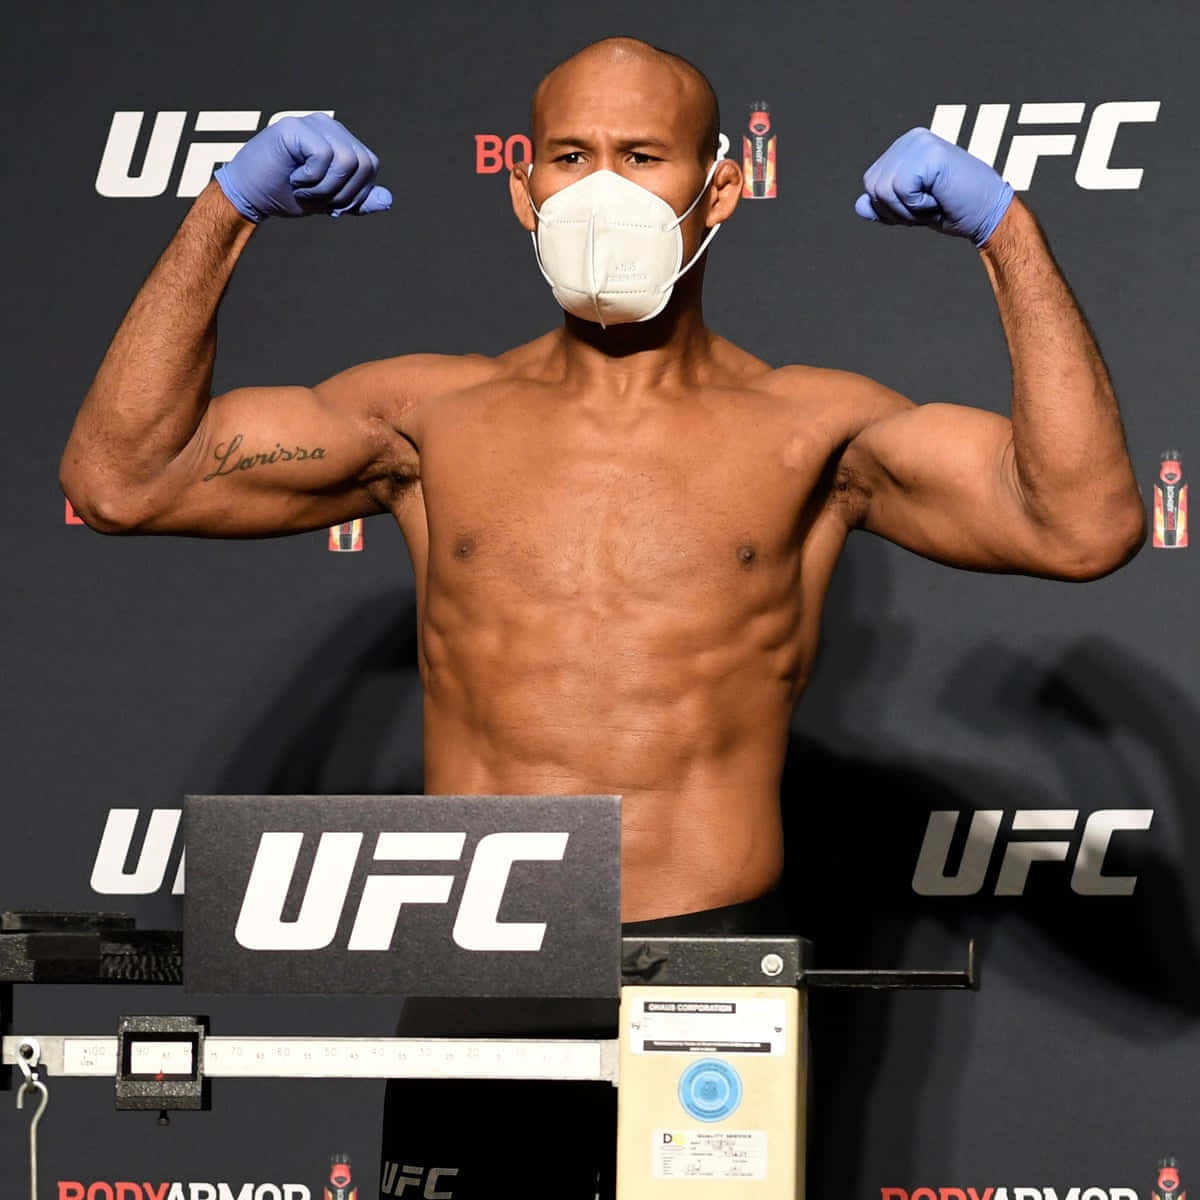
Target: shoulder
[[395, 384], [849, 399], [835, 405], [407, 381], [394, 393]]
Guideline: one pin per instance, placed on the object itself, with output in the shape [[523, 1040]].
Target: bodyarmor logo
[[346, 536], [116, 179], [341, 1181], [1087, 875], [1170, 503], [1008, 1193], [261, 926], [122, 1189], [494, 153], [759, 171], [1167, 1183], [1092, 170]]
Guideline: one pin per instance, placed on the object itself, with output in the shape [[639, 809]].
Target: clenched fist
[[300, 166], [921, 179]]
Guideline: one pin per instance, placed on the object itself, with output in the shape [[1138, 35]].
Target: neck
[[639, 355]]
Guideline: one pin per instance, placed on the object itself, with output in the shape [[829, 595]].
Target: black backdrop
[[140, 669]]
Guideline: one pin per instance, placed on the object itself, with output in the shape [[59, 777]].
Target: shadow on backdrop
[[855, 814], [1122, 735], [350, 720]]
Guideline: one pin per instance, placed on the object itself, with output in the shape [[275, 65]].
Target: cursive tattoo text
[[230, 460]]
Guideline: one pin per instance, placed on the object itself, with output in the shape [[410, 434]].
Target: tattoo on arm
[[230, 458]]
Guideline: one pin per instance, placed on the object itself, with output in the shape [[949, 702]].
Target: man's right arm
[[153, 452]]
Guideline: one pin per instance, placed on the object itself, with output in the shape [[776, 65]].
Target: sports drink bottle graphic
[[758, 154], [1170, 503], [346, 536], [340, 1185], [1167, 1182]]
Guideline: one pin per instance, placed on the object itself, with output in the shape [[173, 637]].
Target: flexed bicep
[[941, 480], [277, 460]]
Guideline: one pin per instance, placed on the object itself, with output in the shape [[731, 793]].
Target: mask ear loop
[[533, 232], [722, 151]]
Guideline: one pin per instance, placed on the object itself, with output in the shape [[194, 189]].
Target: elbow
[[102, 517], [101, 511], [1108, 546]]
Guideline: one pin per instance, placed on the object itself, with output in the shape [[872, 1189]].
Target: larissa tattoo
[[230, 459]]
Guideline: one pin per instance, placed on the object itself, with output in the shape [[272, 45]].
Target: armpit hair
[[850, 489]]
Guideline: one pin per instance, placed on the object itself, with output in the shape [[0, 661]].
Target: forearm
[[153, 386], [1069, 455]]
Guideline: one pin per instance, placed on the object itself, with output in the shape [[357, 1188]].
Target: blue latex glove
[[921, 179], [300, 166]]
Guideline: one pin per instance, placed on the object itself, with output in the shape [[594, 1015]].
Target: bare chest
[[559, 505]]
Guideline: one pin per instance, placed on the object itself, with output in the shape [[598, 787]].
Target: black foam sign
[[403, 895]]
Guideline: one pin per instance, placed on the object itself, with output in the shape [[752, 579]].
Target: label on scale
[[754, 1025], [89, 1056], [709, 1154]]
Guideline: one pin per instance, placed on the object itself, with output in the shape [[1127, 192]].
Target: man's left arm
[[1050, 492]]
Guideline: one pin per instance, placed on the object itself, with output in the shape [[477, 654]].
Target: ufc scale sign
[[404, 895], [1093, 144], [476, 926]]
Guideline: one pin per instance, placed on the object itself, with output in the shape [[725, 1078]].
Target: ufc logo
[[1092, 171], [150, 865], [1087, 877], [396, 1180], [260, 925], [116, 179]]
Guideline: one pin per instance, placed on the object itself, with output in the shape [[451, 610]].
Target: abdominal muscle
[[692, 742]]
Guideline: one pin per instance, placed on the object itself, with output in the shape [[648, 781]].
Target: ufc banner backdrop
[[976, 755]]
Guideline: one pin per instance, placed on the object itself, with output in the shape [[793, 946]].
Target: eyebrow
[[623, 143]]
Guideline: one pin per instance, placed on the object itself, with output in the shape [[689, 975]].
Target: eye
[[571, 158], [641, 159]]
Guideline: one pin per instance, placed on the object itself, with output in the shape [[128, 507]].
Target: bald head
[[665, 80]]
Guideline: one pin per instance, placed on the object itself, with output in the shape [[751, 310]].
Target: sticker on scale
[[705, 1154], [757, 1025]]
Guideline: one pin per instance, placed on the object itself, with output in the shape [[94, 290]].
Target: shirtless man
[[621, 532]]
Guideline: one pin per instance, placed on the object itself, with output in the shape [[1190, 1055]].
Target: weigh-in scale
[[710, 1052]]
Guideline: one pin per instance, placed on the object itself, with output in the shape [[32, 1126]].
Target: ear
[[518, 189], [724, 192]]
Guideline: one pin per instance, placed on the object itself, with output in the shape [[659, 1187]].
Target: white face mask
[[610, 249]]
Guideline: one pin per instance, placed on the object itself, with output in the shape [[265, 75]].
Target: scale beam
[[897, 979], [74, 1056]]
